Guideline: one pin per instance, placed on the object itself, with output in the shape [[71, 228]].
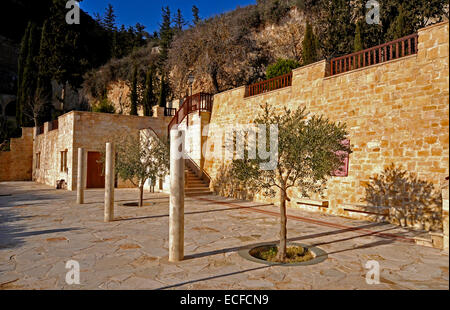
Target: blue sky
[[148, 12]]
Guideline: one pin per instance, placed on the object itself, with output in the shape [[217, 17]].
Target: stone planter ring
[[319, 255]]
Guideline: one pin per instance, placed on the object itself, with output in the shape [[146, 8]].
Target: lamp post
[[191, 79]]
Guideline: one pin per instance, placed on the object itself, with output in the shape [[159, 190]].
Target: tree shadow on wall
[[227, 185], [412, 202]]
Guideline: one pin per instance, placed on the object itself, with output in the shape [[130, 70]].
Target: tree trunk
[[283, 231], [141, 196]]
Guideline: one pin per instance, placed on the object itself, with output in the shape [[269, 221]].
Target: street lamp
[[191, 79]]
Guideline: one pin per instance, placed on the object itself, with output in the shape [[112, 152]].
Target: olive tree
[[140, 158], [310, 150]]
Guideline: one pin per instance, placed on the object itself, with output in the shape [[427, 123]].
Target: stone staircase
[[195, 186]]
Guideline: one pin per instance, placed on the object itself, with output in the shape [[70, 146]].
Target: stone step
[[424, 241], [197, 189], [195, 186], [195, 182], [192, 194]]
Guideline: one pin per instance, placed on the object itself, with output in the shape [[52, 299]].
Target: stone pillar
[[176, 214], [80, 176], [158, 111], [109, 182], [445, 216]]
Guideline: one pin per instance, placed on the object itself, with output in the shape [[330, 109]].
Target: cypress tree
[[399, 27], [134, 94], [149, 99], [163, 93], [358, 42], [30, 73], [44, 84], [109, 21], [310, 46]]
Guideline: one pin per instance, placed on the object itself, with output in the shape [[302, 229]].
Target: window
[[343, 170], [38, 160], [64, 161]]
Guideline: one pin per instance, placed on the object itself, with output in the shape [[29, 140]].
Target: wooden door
[[95, 177]]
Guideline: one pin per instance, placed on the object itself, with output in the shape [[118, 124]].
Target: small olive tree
[[140, 158], [310, 149]]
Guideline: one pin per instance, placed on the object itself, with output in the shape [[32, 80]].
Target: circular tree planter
[[319, 255], [136, 204]]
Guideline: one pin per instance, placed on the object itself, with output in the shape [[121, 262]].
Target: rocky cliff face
[[282, 40]]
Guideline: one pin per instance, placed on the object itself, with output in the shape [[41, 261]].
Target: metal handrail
[[203, 102], [275, 83]]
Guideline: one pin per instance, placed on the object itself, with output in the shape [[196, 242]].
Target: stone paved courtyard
[[41, 229]]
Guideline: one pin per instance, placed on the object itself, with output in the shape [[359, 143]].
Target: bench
[[313, 203]]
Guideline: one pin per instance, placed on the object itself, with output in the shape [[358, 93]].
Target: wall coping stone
[[310, 65], [433, 25], [231, 90], [269, 92]]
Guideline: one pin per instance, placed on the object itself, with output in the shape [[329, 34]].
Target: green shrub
[[104, 106], [282, 66]]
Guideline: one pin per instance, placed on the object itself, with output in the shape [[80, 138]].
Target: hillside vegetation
[[235, 48]]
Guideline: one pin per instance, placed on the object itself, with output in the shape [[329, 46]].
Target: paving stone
[[132, 252]]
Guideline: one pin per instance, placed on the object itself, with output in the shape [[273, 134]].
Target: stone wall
[[445, 216], [15, 165], [396, 112]]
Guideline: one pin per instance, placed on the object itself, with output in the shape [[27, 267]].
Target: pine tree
[[399, 28], [358, 42], [310, 46], [195, 14], [149, 99], [133, 93], [109, 20], [179, 21]]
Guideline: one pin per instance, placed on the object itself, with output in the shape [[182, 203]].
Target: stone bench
[[313, 203]]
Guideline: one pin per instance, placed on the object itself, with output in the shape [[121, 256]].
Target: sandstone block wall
[[396, 112], [15, 165], [445, 216], [49, 146]]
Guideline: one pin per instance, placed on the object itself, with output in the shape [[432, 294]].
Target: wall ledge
[[324, 61], [230, 90], [433, 26]]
